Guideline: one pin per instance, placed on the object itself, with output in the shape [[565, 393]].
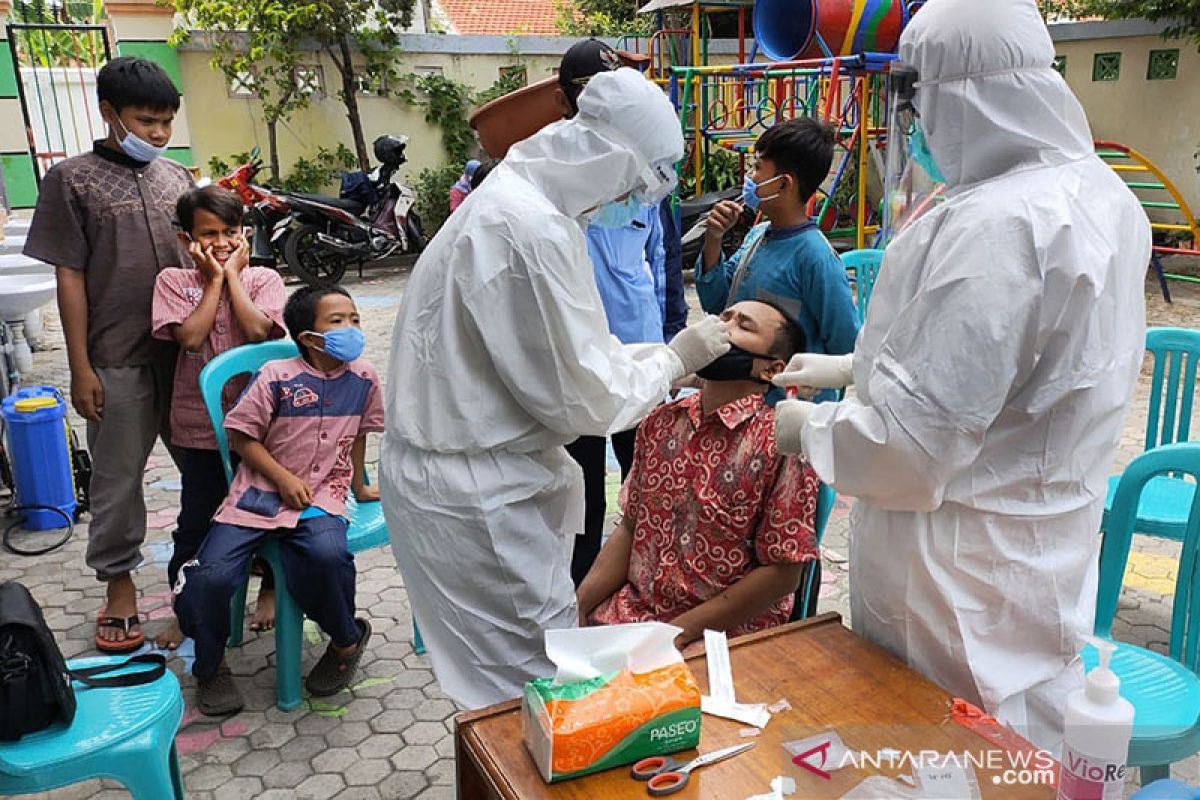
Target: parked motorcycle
[[318, 236], [373, 219], [267, 213]]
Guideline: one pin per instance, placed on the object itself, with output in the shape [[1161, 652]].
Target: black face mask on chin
[[736, 365]]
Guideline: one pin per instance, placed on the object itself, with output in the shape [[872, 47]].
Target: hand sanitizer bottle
[[1098, 725]]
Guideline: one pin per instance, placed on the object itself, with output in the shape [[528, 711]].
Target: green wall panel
[[160, 53], [181, 154], [8, 79], [19, 179]]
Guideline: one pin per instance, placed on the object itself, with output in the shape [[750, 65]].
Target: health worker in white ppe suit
[[501, 355], [992, 375]]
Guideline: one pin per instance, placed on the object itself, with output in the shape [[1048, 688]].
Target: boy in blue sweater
[[787, 261]]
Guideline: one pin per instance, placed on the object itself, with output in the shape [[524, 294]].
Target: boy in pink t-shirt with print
[[301, 430], [218, 303]]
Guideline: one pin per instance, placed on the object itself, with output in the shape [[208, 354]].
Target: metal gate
[[56, 48]]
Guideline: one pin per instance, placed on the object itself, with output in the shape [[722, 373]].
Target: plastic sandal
[[132, 640]]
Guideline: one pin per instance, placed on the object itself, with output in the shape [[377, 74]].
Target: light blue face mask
[[919, 152], [138, 148], [617, 214], [344, 344], [750, 191]]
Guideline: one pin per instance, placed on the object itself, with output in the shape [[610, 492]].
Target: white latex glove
[[699, 345], [816, 371], [790, 418]]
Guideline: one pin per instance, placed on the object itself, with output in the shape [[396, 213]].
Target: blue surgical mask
[[138, 148], [919, 152], [750, 191], [344, 344], [617, 214]]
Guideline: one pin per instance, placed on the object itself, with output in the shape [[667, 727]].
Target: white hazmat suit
[[992, 377], [501, 355]]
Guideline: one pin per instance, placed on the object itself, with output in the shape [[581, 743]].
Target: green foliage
[[321, 171], [847, 189], [722, 170], [257, 43], [1062, 9], [1182, 16], [373, 27], [433, 195], [268, 39], [608, 18], [58, 48], [51, 12], [218, 166], [448, 105], [315, 174]]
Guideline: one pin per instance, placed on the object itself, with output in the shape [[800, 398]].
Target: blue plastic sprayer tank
[[40, 451], [789, 29]]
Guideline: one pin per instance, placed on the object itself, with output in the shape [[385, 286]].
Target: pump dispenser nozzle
[[1103, 686]]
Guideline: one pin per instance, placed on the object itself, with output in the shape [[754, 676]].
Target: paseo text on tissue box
[[644, 708]]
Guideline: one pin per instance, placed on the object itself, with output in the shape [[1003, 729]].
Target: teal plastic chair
[[1166, 503], [367, 528], [1164, 690], [810, 578], [865, 264], [125, 734]]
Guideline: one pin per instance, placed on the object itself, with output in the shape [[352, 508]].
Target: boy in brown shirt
[[105, 220]]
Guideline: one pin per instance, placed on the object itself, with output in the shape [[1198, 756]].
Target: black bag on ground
[[35, 689], [35, 684]]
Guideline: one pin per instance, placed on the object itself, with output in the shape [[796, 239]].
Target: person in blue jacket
[[787, 261], [675, 308], [629, 264]]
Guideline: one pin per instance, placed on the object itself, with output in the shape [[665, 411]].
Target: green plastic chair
[[865, 264], [805, 603], [367, 527], [126, 734], [1166, 503], [1164, 690]]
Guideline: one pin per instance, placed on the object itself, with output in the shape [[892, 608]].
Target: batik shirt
[[113, 218], [709, 499]]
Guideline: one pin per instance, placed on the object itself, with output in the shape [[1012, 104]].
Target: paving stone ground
[[390, 735]]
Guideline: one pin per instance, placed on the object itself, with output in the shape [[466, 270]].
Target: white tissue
[[585, 653]]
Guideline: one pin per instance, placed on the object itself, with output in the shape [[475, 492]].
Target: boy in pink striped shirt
[[218, 303]]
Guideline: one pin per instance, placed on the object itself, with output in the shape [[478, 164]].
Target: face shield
[[913, 184]]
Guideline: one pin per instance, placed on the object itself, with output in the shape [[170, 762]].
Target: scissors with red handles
[[664, 775]]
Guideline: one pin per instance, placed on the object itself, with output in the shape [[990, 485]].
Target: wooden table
[[831, 677]]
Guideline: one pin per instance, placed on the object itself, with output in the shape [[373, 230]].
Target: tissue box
[[581, 727]]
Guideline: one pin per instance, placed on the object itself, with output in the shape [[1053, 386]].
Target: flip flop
[[131, 642]]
